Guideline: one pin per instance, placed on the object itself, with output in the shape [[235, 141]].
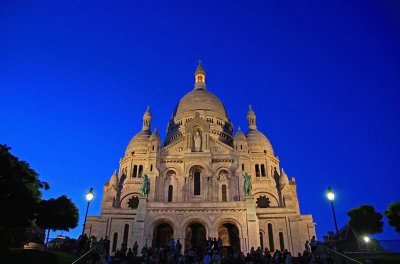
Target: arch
[[257, 170], [195, 164], [162, 234], [170, 193], [196, 183], [271, 237], [229, 219], [115, 240], [261, 233], [224, 195], [281, 241], [196, 237], [140, 171], [126, 233], [263, 174], [134, 171], [161, 219], [229, 234], [272, 198], [124, 200]]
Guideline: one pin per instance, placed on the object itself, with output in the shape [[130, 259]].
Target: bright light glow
[[90, 195], [366, 239], [330, 194]]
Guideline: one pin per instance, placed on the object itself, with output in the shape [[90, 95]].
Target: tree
[[57, 214], [393, 215], [19, 196], [365, 220]]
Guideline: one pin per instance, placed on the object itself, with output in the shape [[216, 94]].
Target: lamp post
[[331, 197], [89, 197]]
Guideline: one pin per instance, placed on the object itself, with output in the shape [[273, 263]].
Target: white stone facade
[[197, 183]]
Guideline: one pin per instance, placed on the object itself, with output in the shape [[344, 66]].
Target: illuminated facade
[[197, 185]]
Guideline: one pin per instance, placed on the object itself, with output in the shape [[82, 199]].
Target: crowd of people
[[213, 254]]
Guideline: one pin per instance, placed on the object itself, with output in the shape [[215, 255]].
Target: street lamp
[[331, 197], [89, 197]]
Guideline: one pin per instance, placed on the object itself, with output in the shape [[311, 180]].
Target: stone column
[[252, 223], [138, 226]]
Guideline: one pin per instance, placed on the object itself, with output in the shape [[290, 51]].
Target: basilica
[[203, 181]]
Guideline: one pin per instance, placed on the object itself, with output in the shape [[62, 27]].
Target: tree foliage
[[365, 220], [393, 215], [19, 195], [57, 214]]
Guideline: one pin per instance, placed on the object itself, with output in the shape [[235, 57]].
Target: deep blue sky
[[323, 78]]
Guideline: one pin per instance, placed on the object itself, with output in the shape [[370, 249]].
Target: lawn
[[24, 256]]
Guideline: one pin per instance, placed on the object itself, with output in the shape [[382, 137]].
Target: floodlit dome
[[258, 142], [155, 136], [200, 100], [138, 143], [240, 135]]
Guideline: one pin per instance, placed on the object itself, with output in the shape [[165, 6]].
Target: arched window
[[257, 170], [134, 171], [271, 238], [263, 170], [241, 147], [261, 240], [140, 171], [196, 183], [151, 167], [281, 242], [126, 232], [153, 147], [242, 167], [170, 193], [224, 198], [114, 245]]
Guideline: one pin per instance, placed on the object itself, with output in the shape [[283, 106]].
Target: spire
[[200, 77], [146, 120], [251, 119], [283, 179]]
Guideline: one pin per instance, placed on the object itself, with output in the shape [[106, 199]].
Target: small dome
[[155, 136], [258, 142], [113, 180], [240, 135], [138, 143]]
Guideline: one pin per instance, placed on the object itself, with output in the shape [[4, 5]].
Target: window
[[263, 170], [153, 147], [241, 147], [126, 230], [170, 193], [281, 242], [151, 167], [196, 183], [134, 172], [224, 198], [242, 167], [271, 238], [257, 170], [114, 245], [140, 171], [261, 240]]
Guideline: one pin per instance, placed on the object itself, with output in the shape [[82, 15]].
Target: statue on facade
[[247, 184], [145, 186], [197, 141]]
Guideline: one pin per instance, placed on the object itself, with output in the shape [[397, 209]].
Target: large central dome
[[200, 99]]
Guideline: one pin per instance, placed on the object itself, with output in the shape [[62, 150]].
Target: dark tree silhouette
[[57, 214], [19, 196], [365, 220], [393, 215]]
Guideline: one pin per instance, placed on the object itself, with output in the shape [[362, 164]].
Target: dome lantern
[[146, 120], [200, 77], [251, 119]]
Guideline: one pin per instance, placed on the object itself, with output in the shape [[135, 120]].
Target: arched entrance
[[229, 234], [195, 238], [162, 234]]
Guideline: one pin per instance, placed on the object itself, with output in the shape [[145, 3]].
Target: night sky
[[323, 78]]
